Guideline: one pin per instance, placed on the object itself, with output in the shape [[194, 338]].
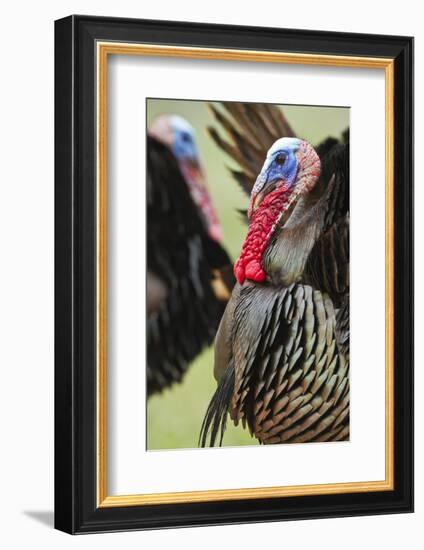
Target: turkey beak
[[259, 197], [193, 162], [193, 170], [257, 201]]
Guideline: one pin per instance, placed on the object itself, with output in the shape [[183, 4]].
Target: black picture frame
[[76, 508]]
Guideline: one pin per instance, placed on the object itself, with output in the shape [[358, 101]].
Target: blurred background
[[174, 417]]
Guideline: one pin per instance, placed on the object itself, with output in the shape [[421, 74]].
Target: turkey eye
[[186, 137], [279, 159]]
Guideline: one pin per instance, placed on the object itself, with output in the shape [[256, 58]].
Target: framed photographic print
[[234, 267]]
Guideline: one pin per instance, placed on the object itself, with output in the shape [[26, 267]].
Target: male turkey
[[189, 274], [282, 347]]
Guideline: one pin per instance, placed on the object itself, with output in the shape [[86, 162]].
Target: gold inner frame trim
[[104, 49]]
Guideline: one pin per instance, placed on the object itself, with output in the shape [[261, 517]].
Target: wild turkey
[[282, 347], [189, 274]]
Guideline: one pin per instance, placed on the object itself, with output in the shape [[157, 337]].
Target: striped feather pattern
[[292, 384]]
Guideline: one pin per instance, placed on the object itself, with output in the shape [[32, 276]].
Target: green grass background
[[175, 416]]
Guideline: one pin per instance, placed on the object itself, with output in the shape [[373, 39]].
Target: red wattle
[[254, 272], [262, 224], [239, 272]]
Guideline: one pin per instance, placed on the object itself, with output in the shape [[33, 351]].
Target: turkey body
[[187, 272], [282, 348]]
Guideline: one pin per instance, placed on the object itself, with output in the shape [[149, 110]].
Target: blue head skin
[[280, 168], [280, 164], [183, 140]]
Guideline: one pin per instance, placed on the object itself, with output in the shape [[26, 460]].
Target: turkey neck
[[259, 236], [287, 252], [277, 250]]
